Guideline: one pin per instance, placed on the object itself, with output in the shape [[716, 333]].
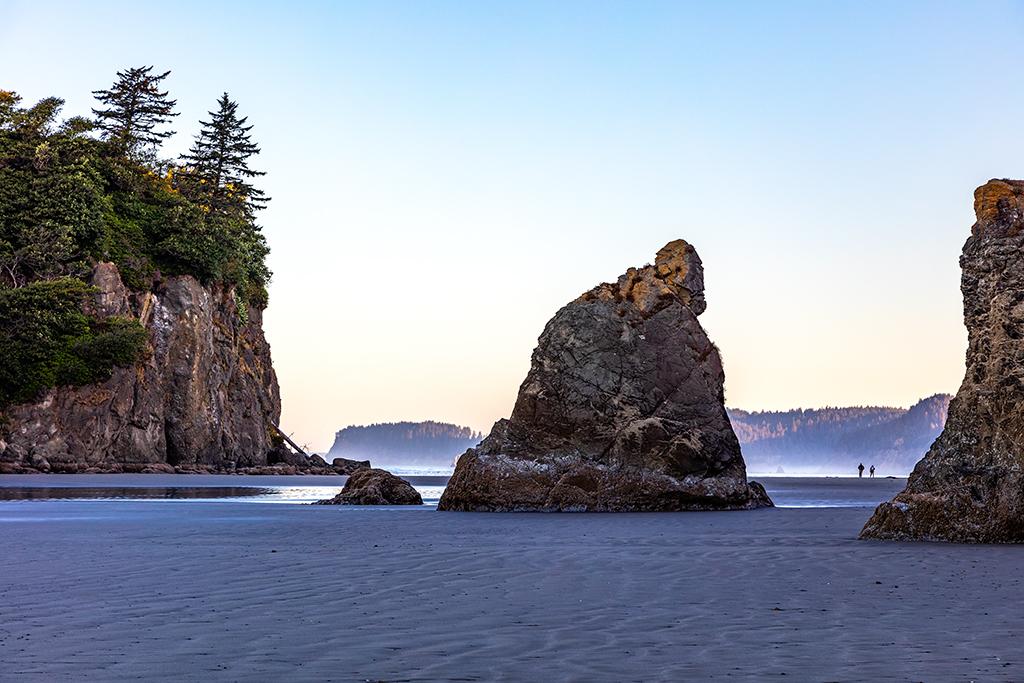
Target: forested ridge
[[837, 439], [405, 443], [81, 190]]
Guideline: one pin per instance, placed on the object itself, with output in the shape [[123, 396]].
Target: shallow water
[[831, 492], [789, 492]]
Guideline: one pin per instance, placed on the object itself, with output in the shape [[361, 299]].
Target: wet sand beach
[[222, 591]]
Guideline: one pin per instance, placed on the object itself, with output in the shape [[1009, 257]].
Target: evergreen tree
[[217, 166], [49, 198], [69, 200], [133, 109]]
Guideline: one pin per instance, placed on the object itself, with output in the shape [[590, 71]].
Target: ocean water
[[22, 489]]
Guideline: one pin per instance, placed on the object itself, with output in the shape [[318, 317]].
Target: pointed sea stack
[[969, 488], [622, 410]]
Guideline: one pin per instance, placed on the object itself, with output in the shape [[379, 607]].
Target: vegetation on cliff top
[[77, 191]]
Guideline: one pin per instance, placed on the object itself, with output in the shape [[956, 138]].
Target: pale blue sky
[[447, 175]]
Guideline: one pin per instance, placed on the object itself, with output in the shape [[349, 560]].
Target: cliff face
[[970, 485], [203, 397], [622, 408]]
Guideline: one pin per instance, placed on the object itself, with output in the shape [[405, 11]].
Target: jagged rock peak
[[622, 409], [999, 207], [969, 487], [677, 275]]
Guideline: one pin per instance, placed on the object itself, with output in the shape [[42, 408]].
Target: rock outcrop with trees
[[131, 288]]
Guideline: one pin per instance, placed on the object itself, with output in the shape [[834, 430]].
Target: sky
[[446, 175]]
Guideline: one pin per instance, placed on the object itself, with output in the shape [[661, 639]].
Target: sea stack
[[969, 488], [622, 410]]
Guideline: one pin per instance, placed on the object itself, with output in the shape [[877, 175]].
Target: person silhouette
[[871, 472], [860, 470]]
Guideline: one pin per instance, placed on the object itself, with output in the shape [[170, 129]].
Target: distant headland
[[409, 444], [836, 440]]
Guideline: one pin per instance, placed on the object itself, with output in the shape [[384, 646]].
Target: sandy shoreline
[[229, 591]]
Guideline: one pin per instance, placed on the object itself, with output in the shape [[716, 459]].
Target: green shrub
[[67, 200], [46, 340]]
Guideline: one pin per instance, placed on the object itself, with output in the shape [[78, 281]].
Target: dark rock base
[[951, 516], [487, 483], [375, 487]]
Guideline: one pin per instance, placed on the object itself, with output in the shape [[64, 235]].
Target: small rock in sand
[[372, 486]]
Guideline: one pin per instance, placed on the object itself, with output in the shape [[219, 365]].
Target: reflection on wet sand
[[129, 492]]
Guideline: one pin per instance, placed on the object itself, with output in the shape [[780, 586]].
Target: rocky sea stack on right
[[969, 488], [622, 410]]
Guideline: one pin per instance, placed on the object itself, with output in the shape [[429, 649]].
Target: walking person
[[871, 472], [860, 470]]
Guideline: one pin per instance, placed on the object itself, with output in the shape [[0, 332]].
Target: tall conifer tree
[[133, 110], [218, 162]]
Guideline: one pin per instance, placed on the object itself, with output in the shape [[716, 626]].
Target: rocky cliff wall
[[204, 397], [970, 485]]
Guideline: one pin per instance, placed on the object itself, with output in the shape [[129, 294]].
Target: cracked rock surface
[[969, 487], [622, 410]]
